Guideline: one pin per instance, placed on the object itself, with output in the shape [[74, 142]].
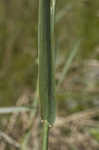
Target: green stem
[[46, 66], [45, 135]]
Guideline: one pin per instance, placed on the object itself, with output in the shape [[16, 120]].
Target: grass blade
[[69, 62], [7, 110]]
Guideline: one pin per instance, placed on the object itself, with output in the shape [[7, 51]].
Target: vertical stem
[[46, 66], [45, 135], [46, 61]]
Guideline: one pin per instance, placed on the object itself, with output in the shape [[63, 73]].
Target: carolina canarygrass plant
[[46, 66]]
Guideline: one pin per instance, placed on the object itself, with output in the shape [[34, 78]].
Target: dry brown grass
[[69, 133]]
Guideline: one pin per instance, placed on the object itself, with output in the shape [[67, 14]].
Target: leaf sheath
[[46, 62]]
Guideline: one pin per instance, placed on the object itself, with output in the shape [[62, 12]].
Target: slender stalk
[[45, 135], [46, 66]]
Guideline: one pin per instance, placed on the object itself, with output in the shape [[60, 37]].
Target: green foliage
[[95, 133]]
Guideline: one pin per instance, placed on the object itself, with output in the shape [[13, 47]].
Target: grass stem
[[45, 135]]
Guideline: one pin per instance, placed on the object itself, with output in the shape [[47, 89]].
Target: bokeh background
[[77, 75]]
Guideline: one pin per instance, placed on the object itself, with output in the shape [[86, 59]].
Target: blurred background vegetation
[[77, 63]]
